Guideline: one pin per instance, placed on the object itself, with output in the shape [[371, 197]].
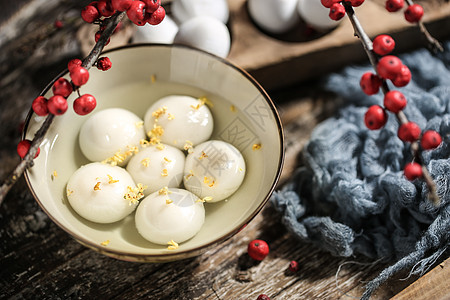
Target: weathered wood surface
[[40, 261]]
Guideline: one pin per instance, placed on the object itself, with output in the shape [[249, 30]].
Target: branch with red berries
[[389, 67], [107, 14]]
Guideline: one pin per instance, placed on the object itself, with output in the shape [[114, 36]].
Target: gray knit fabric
[[350, 196]]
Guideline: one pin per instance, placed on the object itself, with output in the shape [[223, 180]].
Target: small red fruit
[[79, 76], [414, 13], [24, 146], [356, 3], [157, 16], [389, 67], [90, 13], [58, 24], [430, 140], [413, 171], [62, 87], [57, 105], [136, 13], [328, 3], [370, 83], [394, 101], [258, 249], [337, 11], [84, 104], [294, 266], [152, 5], [98, 35], [39, 106], [105, 8], [409, 132], [383, 44], [104, 63], [394, 5], [263, 297], [403, 78], [375, 117], [74, 63]]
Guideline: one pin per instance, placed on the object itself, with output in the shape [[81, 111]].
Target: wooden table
[[40, 261]]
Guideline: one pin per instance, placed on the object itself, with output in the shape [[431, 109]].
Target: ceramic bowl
[[244, 115]]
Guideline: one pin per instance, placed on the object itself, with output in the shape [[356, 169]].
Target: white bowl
[[243, 115]]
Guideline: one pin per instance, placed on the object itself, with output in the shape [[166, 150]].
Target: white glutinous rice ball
[[111, 134], [215, 169], [163, 33], [157, 166], [315, 14], [169, 215], [205, 33], [184, 10], [274, 16], [101, 193], [179, 120]]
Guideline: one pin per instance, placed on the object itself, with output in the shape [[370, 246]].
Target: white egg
[[163, 33], [315, 14], [184, 10], [97, 192], [109, 132], [274, 16], [157, 167], [174, 214], [179, 121], [215, 169], [205, 33]]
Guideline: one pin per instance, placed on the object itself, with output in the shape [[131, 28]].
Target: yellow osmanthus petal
[[256, 146], [105, 243], [172, 245], [169, 201], [111, 180], [97, 186], [164, 173], [145, 162]]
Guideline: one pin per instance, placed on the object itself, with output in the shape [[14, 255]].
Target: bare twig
[[401, 117], [88, 62]]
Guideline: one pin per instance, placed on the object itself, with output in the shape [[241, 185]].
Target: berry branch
[[411, 131], [31, 149]]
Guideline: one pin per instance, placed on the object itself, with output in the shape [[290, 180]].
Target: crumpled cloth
[[350, 195]]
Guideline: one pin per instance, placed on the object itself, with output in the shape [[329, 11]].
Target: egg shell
[[184, 10], [160, 222], [274, 16], [109, 131], [105, 203], [205, 33], [214, 169], [163, 33], [189, 124], [316, 15], [157, 167]]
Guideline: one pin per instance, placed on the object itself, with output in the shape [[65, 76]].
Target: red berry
[[84, 104], [263, 297], [328, 3], [337, 11], [62, 87], [74, 63], [414, 13], [121, 5], [136, 13], [403, 78], [98, 35], [370, 83], [394, 5], [151, 5], [394, 101], [157, 16], [389, 67], [409, 132], [58, 24], [375, 117], [57, 105], [90, 13], [294, 266], [383, 44], [24, 146], [39, 106], [79, 76], [105, 8], [104, 63], [430, 140], [258, 249], [356, 3], [413, 171]]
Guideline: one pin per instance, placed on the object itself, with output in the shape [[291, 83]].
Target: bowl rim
[[179, 254]]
